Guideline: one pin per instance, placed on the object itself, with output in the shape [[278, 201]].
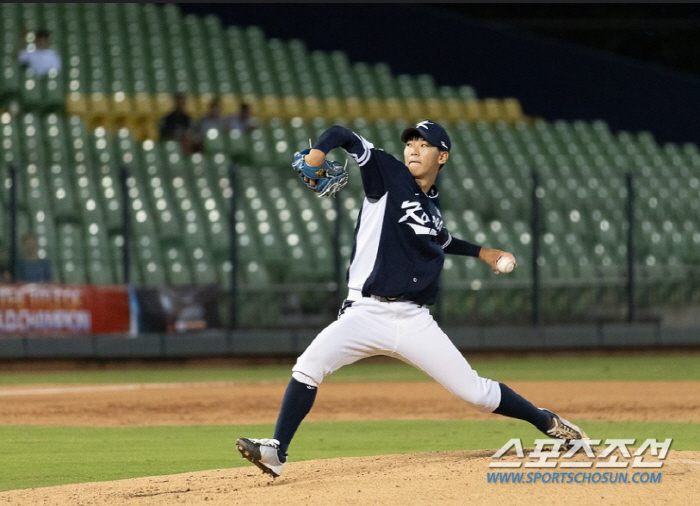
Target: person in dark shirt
[[177, 125]]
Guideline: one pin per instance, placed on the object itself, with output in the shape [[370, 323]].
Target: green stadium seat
[[10, 135], [71, 254], [99, 262], [11, 85], [149, 261], [177, 265], [65, 202], [30, 95], [215, 141], [110, 194], [203, 266], [33, 147], [208, 194]]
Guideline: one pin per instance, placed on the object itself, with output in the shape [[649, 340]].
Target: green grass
[[43, 456], [543, 368], [671, 367]]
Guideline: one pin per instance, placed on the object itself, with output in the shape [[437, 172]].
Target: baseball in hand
[[505, 264]]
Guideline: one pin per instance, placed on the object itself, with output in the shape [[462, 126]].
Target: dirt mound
[[424, 478]]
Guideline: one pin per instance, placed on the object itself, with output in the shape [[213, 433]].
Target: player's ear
[[442, 158]]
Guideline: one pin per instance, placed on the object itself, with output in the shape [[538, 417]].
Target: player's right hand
[[491, 256], [315, 158]]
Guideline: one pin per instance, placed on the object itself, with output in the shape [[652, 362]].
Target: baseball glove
[[329, 178]]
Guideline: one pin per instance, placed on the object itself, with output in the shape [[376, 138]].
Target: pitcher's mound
[[420, 478]]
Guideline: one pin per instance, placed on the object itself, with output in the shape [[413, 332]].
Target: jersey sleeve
[[444, 238], [362, 151], [454, 246], [340, 137]]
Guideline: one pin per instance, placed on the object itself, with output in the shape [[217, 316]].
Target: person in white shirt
[[243, 120], [42, 59]]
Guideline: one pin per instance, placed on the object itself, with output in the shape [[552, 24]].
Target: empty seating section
[[122, 62], [69, 189], [119, 59]]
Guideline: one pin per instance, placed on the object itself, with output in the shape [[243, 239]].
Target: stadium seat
[[177, 265], [239, 146], [11, 82], [148, 266], [30, 94], [71, 261]]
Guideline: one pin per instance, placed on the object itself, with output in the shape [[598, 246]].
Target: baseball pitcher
[[399, 250]]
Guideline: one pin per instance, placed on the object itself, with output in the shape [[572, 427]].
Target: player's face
[[423, 159]]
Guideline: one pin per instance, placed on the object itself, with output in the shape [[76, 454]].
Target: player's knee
[[483, 397], [304, 378], [308, 370], [309, 367], [482, 403]]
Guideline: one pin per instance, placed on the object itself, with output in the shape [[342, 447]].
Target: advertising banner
[[47, 309]]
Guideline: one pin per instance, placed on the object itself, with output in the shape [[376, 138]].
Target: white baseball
[[505, 264]]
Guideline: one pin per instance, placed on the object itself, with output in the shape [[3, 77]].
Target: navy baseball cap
[[432, 132]]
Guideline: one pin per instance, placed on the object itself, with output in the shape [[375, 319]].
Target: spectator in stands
[[31, 268], [211, 121], [177, 125], [243, 120], [42, 59]]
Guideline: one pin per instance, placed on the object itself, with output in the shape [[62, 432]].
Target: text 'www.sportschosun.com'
[[578, 478]]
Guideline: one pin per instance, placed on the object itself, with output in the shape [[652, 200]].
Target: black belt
[[355, 294], [395, 299]]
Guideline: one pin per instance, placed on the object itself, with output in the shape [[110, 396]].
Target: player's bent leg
[[425, 346]]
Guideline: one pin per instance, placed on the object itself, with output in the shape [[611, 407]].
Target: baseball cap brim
[[411, 132]]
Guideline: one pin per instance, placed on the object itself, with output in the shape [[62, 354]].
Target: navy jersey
[[400, 236]]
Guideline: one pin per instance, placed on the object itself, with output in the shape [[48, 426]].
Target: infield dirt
[[235, 403], [438, 477]]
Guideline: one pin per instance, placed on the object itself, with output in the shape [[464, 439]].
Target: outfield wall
[[291, 343]]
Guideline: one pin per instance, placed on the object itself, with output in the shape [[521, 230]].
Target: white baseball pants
[[402, 330]]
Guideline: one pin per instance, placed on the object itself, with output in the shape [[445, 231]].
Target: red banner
[[64, 309]]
